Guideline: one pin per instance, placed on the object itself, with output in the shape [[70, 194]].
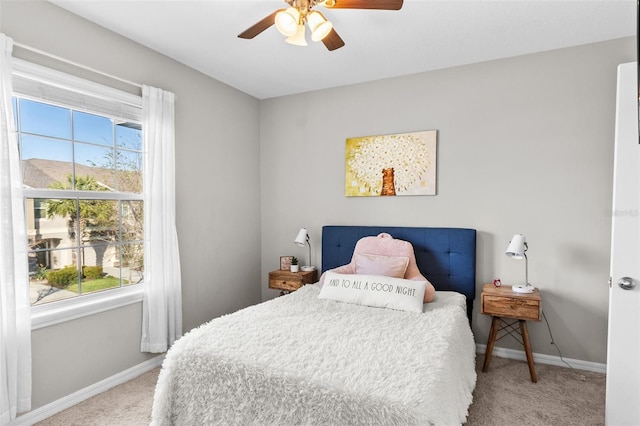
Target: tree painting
[[399, 164]]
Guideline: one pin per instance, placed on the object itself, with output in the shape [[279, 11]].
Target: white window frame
[[49, 86]]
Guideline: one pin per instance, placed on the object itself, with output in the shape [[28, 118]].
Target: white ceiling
[[424, 35]]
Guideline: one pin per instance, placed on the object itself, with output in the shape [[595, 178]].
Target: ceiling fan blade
[[364, 4], [259, 26], [333, 41]]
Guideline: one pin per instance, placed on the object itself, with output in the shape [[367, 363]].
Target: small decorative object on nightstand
[[285, 263], [509, 308], [287, 282], [294, 264]]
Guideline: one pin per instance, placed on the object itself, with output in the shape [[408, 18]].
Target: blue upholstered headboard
[[445, 256]]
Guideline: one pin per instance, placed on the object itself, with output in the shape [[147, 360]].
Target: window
[[82, 160]]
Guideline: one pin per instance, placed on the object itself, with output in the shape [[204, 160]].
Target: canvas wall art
[[398, 164]]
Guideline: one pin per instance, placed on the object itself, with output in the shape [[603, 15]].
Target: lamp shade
[[287, 21], [298, 38], [302, 237], [319, 26], [517, 247]]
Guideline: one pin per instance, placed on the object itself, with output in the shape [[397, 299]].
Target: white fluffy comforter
[[299, 360]]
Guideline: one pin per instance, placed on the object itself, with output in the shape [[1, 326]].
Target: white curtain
[[15, 315], [162, 304]]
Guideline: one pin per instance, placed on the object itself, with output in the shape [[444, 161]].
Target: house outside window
[[82, 164]]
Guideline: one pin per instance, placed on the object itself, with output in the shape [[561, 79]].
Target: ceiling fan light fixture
[[319, 26], [298, 38], [287, 21]]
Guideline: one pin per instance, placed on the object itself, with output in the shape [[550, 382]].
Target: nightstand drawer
[[281, 284], [286, 281], [514, 307]]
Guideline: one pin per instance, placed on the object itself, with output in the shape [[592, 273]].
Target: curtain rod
[[76, 64]]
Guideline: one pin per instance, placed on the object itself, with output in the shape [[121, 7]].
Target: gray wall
[[216, 131], [525, 145]]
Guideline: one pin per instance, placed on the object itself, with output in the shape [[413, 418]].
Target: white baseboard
[[545, 359], [77, 397]]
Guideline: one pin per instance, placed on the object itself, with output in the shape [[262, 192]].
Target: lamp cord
[[553, 341]]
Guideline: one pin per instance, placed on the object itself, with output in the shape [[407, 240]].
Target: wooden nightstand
[[502, 302], [286, 281]]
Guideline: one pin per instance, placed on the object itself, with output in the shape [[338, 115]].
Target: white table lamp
[[301, 240], [518, 250]]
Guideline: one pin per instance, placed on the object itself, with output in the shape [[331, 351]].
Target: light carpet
[[504, 396]]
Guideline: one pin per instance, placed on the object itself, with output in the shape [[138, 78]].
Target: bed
[[302, 360]]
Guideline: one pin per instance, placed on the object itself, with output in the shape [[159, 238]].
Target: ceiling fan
[[290, 21]]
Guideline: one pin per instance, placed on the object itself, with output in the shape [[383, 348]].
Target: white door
[[623, 359]]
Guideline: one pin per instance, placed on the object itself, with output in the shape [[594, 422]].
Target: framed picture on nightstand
[[285, 263]]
